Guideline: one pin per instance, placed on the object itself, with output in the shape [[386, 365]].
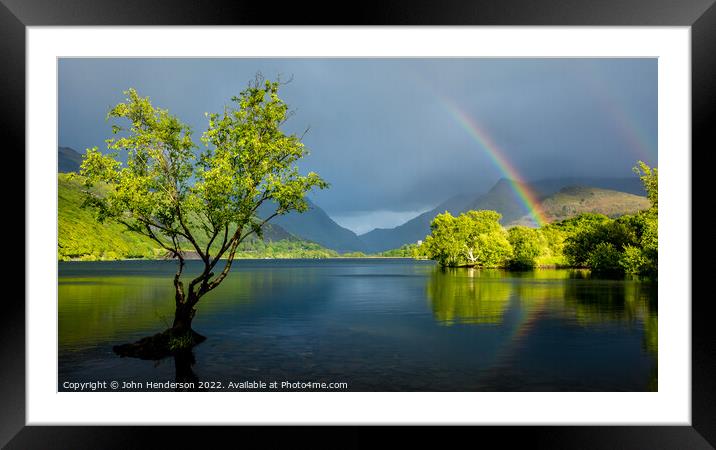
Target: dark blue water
[[375, 324]]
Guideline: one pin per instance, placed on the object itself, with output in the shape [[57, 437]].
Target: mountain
[[68, 160], [501, 198], [381, 239], [316, 226], [561, 197], [573, 200]]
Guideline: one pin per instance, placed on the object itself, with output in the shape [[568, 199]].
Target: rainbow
[[526, 196]]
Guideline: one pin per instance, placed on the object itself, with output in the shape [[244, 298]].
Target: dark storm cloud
[[378, 130]]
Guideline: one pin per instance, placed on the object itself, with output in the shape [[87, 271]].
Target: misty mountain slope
[[315, 225], [68, 160], [630, 185], [573, 200], [503, 199], [381, 239]]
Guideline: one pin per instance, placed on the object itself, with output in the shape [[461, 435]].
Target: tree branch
[[169, 231], [189, 236], [232, 254], [215, 233], [150, 234], [225, 245]]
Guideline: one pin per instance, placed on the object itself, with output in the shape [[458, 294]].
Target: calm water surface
[[378, 325]]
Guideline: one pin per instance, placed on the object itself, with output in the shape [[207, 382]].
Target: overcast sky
[[380, 132]]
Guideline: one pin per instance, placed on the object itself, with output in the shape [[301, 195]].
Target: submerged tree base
[[160, 345]]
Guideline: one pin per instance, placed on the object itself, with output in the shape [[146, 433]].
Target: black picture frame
[[16, 15]]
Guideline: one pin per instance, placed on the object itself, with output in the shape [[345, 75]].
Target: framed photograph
[[455, 223]]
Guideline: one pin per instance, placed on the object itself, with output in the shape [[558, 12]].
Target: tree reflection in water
[[576, 297], [468, 295]]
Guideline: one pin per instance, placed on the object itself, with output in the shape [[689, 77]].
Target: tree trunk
[[183, 316], [177, 340]]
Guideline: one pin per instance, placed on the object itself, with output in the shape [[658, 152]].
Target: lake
[[375, 324]]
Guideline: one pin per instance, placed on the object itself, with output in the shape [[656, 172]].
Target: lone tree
[[204, 202]]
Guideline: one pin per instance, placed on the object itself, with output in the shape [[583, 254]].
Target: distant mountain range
[[381, 239], [316, 226], [559, 198]]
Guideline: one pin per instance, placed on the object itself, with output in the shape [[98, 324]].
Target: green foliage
[[553, 250], [248, 160], [574, 224], [491, 249], [285, 248], [605, 258], [81, 237], [527, 245], [650, 179], [628, 244], [649, 242], [475, 238], [180, 197], [443, 244], [581, 244], [633, 260], [405, 251]]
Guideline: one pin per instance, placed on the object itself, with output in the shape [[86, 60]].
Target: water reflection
[[545, 306], [477, 296], [468, 296], [111, 308], [379, 325], [115, 308], [595, 301]]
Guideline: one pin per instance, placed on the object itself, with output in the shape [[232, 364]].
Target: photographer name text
[[242, 385]]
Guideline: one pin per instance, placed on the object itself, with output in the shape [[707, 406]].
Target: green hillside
[[81, 237]]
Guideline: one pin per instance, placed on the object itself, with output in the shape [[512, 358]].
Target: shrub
[[604, 258]]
